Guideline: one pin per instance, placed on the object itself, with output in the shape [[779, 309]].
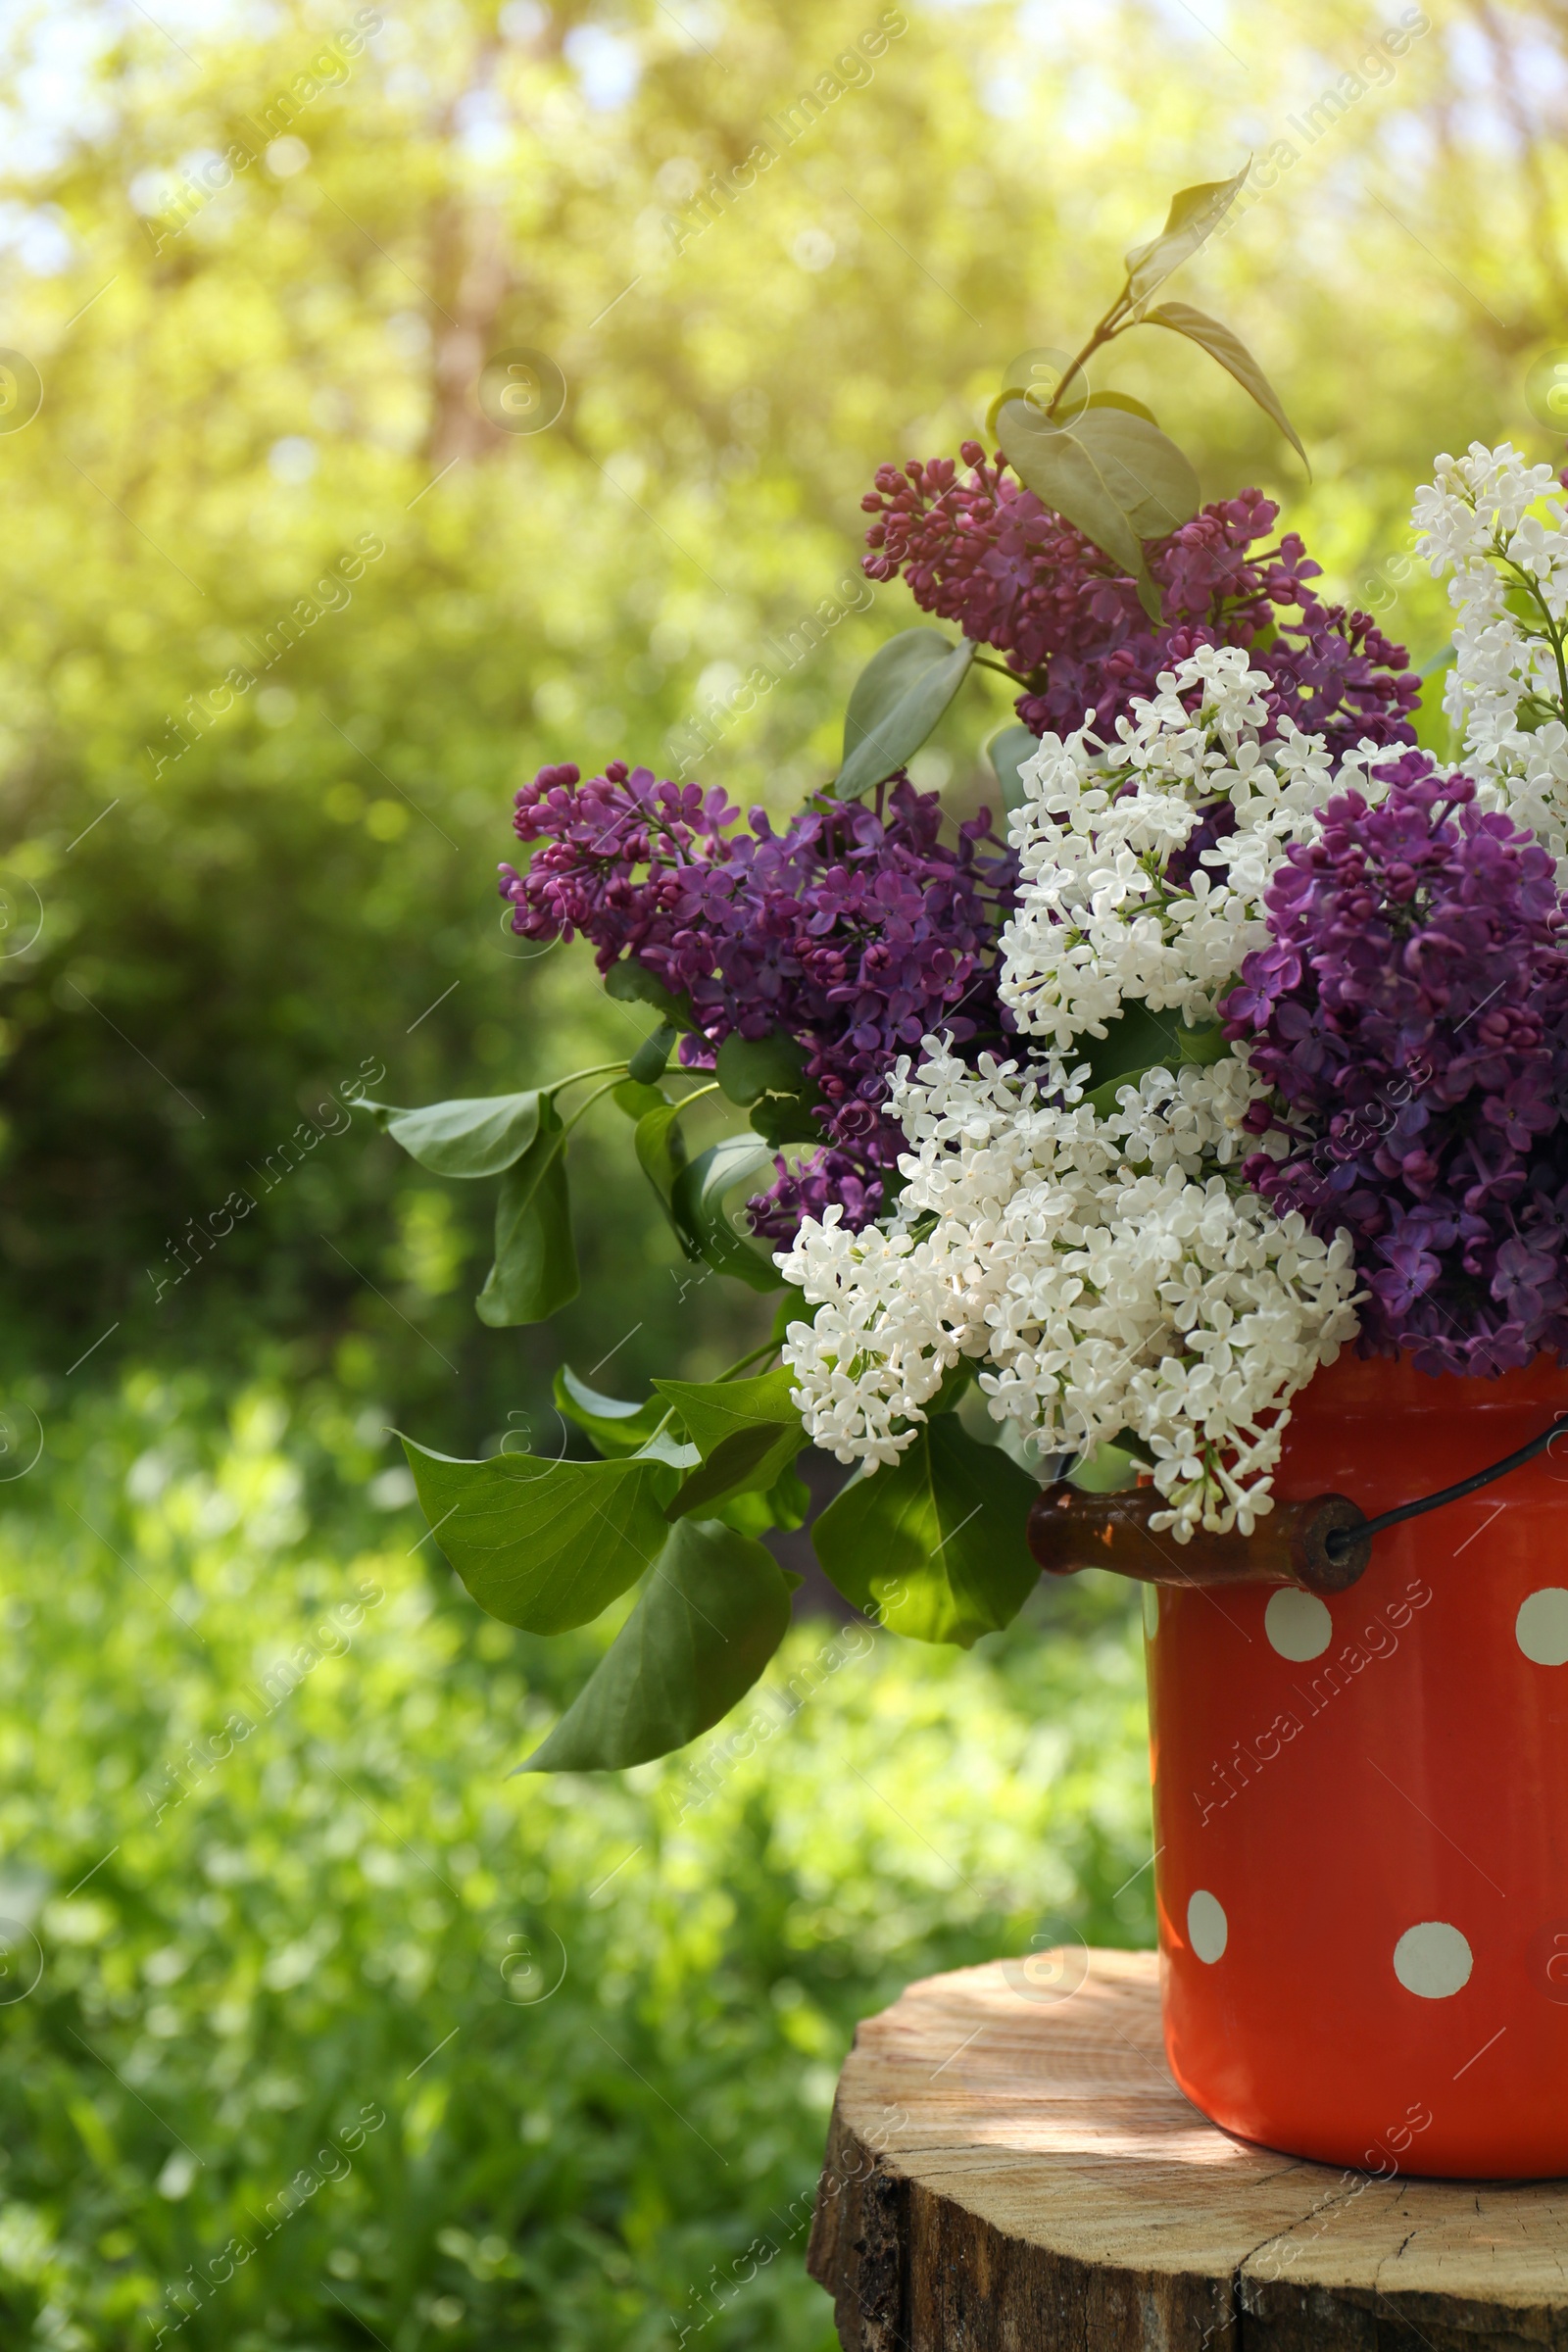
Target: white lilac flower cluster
[[1098, 925], [1506, 691], [1110, 1272]]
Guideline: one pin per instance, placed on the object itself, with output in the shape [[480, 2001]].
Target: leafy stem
[[619, 1068], [1551, 629], [576, 1077], [768, 1347], [598, 1095], [1108, 328]]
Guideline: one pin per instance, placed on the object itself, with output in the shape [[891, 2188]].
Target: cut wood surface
[[1012, 2171]]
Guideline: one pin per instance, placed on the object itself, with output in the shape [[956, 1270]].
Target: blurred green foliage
[[260, 450], [276, 1883], [259, 262]]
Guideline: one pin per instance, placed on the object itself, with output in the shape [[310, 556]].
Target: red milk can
[[1361, 1799]]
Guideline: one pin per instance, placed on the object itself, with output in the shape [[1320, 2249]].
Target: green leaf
[[1195, 214], [1434, 730], [637, 1100], [956, 1381], [1073, 404], [1006, 751], [781, 1119], [546, 1545], [1135, 1038], [616, 1426], [628, 983], [750, 1515], [1233, 356], [1202, 1045], [935, 1543], [1143, 468], [651, 1057], [1139, 1040], [789, 1499], [535, 1270], [793, 1307], [732, 1468], [666, 1446], [787, 1503], [1103, 1100], [660, 1149], [1136, 1449], [712, 1613], [716, 1413], [1115, 400], [897, 701], [766, 1073], [1055, 465], [749, 1066], [698, 1198], [475, 1136]]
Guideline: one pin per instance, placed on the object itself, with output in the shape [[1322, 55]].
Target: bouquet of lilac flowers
[[1239, 1035]]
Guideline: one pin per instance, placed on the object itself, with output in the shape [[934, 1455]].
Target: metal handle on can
[[1324, 1545]]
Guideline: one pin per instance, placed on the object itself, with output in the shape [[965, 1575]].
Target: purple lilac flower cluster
[[1411, 1016], [985, 552], [854, 931]]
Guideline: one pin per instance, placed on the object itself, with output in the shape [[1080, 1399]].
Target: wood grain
[[1013, 2171]]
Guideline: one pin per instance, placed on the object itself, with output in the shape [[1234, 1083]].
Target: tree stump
[[1012, 2169]]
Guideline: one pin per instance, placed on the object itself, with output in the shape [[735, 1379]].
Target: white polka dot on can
[[1207, 1927], [1298, 1623], [1433, 1960], [1541, 1628], [1151, 1611]]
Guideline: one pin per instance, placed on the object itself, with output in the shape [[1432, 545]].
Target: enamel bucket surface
[[1361, 1804]]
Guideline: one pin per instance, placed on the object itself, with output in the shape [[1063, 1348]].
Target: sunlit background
[[254, 263]]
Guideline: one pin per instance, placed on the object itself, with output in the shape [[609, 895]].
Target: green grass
[[540, 2059]]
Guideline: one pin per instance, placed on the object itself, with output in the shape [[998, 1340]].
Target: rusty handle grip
[[1070, 1530]]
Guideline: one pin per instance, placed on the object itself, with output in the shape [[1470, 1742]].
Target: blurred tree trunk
[[471, 260]]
